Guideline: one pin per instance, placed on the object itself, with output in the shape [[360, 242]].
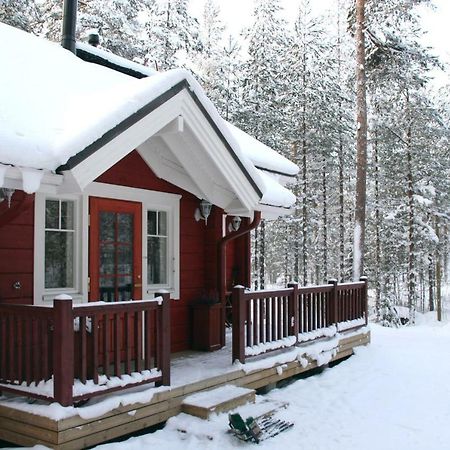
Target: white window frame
[[41, 294]]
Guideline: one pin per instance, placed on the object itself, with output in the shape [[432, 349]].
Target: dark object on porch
[[256, 430], [207, 326]]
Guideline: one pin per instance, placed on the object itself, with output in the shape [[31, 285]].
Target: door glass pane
[[125, 224], [107, 259], [107, 289], [157, 260], [107, 226], [124, 259], [125, 288], [59, 259]]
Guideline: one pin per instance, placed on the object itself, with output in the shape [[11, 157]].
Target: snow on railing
[[264, 321], [45, 352]]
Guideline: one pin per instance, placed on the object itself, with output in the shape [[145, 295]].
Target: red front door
[[115, 250]]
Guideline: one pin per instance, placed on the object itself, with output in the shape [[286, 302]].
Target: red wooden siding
[[198, 243], [16, 256], [198, 249]]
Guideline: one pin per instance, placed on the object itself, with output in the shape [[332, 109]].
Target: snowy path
[[392, 395]]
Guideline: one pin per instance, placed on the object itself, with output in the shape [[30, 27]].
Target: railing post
[[238, 305], [293, 310], [63, 351], [365, 299], [334, 303], [164, 341]]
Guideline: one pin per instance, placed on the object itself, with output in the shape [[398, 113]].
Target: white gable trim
[[182, 104]]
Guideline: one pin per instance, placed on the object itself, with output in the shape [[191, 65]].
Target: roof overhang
[[181, 143]]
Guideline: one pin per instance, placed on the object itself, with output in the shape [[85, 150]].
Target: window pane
[[67, 215], [157, 260], [162, 223], [52, 214], [151, 222], [59, 259], [107, 225]]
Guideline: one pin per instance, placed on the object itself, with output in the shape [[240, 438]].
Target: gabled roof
[[62, 115]]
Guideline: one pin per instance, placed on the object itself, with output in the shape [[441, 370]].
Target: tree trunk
[[361, 145], [262, 255], [304, 206], [412, 294], [438, 274], [340, 154], [377, 227], [324, 222]]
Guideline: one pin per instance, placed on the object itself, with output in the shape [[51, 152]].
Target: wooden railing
[[68, 344], [269, 320]]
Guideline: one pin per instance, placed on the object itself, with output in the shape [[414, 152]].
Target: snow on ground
[[393, 394]]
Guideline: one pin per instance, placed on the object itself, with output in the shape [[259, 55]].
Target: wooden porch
[[276, 335]]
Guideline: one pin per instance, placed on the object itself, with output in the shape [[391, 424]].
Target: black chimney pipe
[[69, 25]]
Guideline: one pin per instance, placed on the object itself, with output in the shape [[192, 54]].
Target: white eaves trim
[[85, 172]]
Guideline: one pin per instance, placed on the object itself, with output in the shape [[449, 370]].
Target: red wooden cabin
[[118, 185], [116, 188]]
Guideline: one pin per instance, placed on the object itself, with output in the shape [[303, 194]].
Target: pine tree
[[261, 114], [172, 35], [23, 14]]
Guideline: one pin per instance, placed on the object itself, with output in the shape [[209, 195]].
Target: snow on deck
[[391, 395], [186, 368]]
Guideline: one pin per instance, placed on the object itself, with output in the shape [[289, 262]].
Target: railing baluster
[[117, 344], [21, 372], [3, 347], [262, 313], [148, 340], [83, 349], [273, 335], [127, 320], [95, 345], [106, 337], [268, 310], [249, 323], [138, 341], [35, 350], [28, 359]]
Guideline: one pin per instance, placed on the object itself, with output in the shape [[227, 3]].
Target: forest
[[292, 86]]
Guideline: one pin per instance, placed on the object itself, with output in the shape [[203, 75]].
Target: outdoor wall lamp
[[204, 211], [234, 224], [6, 194]]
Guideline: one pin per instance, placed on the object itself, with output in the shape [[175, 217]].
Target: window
[[59, 244], [157, 247]]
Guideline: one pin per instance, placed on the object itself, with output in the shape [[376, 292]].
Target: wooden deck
[[28, 429]]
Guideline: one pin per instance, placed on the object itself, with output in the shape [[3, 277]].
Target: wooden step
[[221, 399]]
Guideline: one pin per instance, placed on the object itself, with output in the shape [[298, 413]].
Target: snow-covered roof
[[53, 106], [262, 156], [97, 54]]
